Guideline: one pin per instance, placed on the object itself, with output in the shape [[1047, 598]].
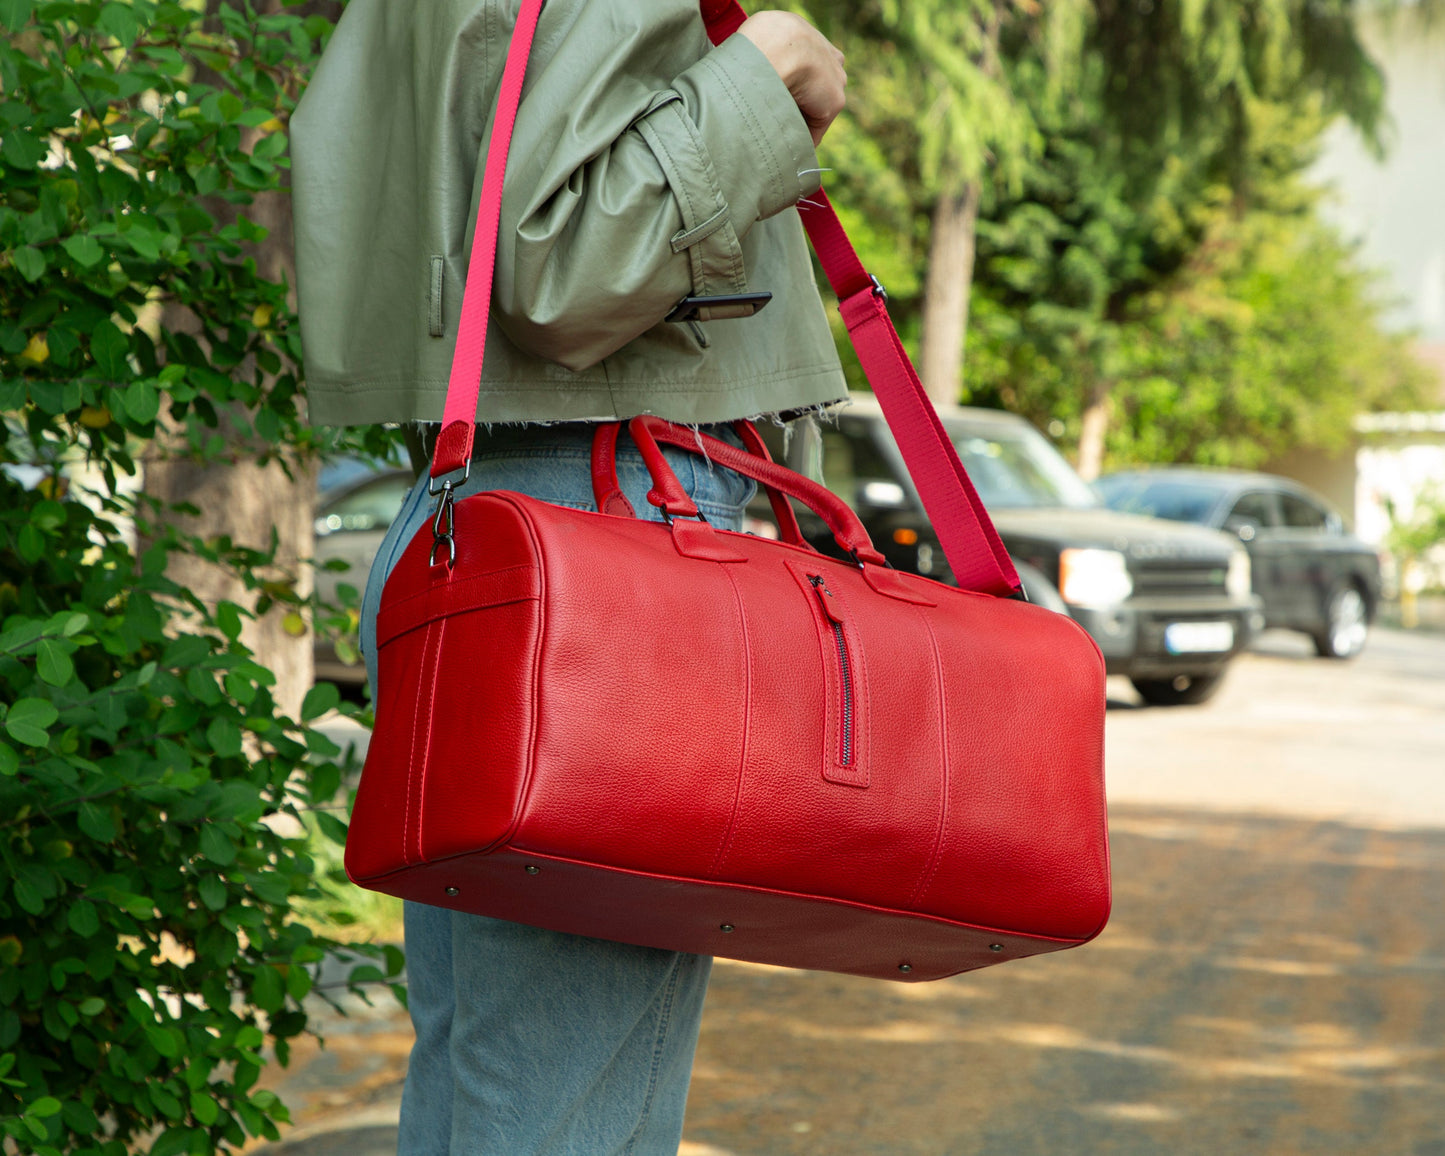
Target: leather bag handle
[[607, 490], [669, 496], [967, 535]]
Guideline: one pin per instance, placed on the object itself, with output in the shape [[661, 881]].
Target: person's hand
[[810, 66]]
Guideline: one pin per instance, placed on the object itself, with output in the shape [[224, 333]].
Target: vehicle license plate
[[1198, 637]]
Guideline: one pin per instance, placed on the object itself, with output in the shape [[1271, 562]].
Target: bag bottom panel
[[736, 922]]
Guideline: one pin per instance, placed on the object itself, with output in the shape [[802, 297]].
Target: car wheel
[[1347, 621], [1181, 690]]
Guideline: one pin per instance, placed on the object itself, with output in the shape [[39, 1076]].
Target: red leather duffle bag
[[672, 735]]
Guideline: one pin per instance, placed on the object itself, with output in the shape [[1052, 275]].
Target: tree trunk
[[246, 501], [946, 292], [1092, 427]]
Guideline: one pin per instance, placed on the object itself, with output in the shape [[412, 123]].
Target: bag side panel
[[1025, 842], [642, 723], [449, 755]]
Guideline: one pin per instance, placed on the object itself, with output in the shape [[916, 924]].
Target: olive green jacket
[[646, 166]]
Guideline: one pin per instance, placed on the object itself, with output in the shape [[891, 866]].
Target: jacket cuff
[[735, 150], [757, 136]]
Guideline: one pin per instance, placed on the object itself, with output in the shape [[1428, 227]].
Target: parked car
[[1311, 573], [355, 505], [1169, 605]]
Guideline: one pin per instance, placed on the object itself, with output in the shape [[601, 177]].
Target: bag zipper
[[835, 620]]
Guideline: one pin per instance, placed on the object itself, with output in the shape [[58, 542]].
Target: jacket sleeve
[[630, 186]]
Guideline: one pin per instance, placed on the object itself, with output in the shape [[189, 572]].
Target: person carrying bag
[[614, 736]]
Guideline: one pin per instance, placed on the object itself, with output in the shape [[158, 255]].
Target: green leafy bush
[[151, 789]]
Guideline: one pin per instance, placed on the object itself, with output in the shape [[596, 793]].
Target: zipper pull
[[826, 599]]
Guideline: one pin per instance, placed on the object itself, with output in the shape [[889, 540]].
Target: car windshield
[[1179, 501], [1014, 467]]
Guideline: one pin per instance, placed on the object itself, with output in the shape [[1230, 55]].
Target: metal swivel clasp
[[443, 527]]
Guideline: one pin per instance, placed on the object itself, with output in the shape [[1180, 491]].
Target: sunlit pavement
[[1272, 981]]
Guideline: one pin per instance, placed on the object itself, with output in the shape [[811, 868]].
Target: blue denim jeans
[[531, 1042]]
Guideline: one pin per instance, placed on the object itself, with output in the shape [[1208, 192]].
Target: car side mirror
[[1245, 528]]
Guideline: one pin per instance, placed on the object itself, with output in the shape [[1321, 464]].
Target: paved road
[[1361, 741], [1272, 982]]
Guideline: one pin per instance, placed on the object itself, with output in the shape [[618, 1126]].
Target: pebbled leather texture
[[658, 732]]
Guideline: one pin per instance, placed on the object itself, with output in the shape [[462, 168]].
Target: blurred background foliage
[[1143, 261]]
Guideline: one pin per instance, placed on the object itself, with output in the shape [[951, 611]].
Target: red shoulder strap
[[965, 532]]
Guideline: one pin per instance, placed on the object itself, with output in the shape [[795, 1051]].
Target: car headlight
[[1095, 578], [1238, 581]]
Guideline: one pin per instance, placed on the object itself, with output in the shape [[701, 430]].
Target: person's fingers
[[807, 62]]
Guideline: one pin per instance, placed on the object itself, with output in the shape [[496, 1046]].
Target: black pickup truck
[[1168, 604]]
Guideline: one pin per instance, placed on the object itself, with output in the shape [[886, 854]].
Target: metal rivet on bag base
[[531, 869], [726, 927], [454, 891], [905, 967], [995, 947]]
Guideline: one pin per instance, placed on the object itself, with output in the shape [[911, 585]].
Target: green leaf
[[14, 13], [109, 347], [29, 897], [204, 1109], [172, 1142], [79, 1117], [28, 260], [141, 401], [119, 20], [228, 619], [30, 542], [22, 150], [213, 892], [29, 720], [332, 827], [319, 699], [224, 737], [298, 982], [44, 1108], [267, 990], [9, 760], [96, 822], [163, 1040], [84, 250], [92, 1006], [84, 920], [53, 663], [140, 906], [216, 847]]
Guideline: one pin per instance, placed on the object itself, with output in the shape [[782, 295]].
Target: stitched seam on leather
[[726, 849], [426, 752], [862, 764], [412, 749], [537, 652], [936, 858], [387, 635]]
